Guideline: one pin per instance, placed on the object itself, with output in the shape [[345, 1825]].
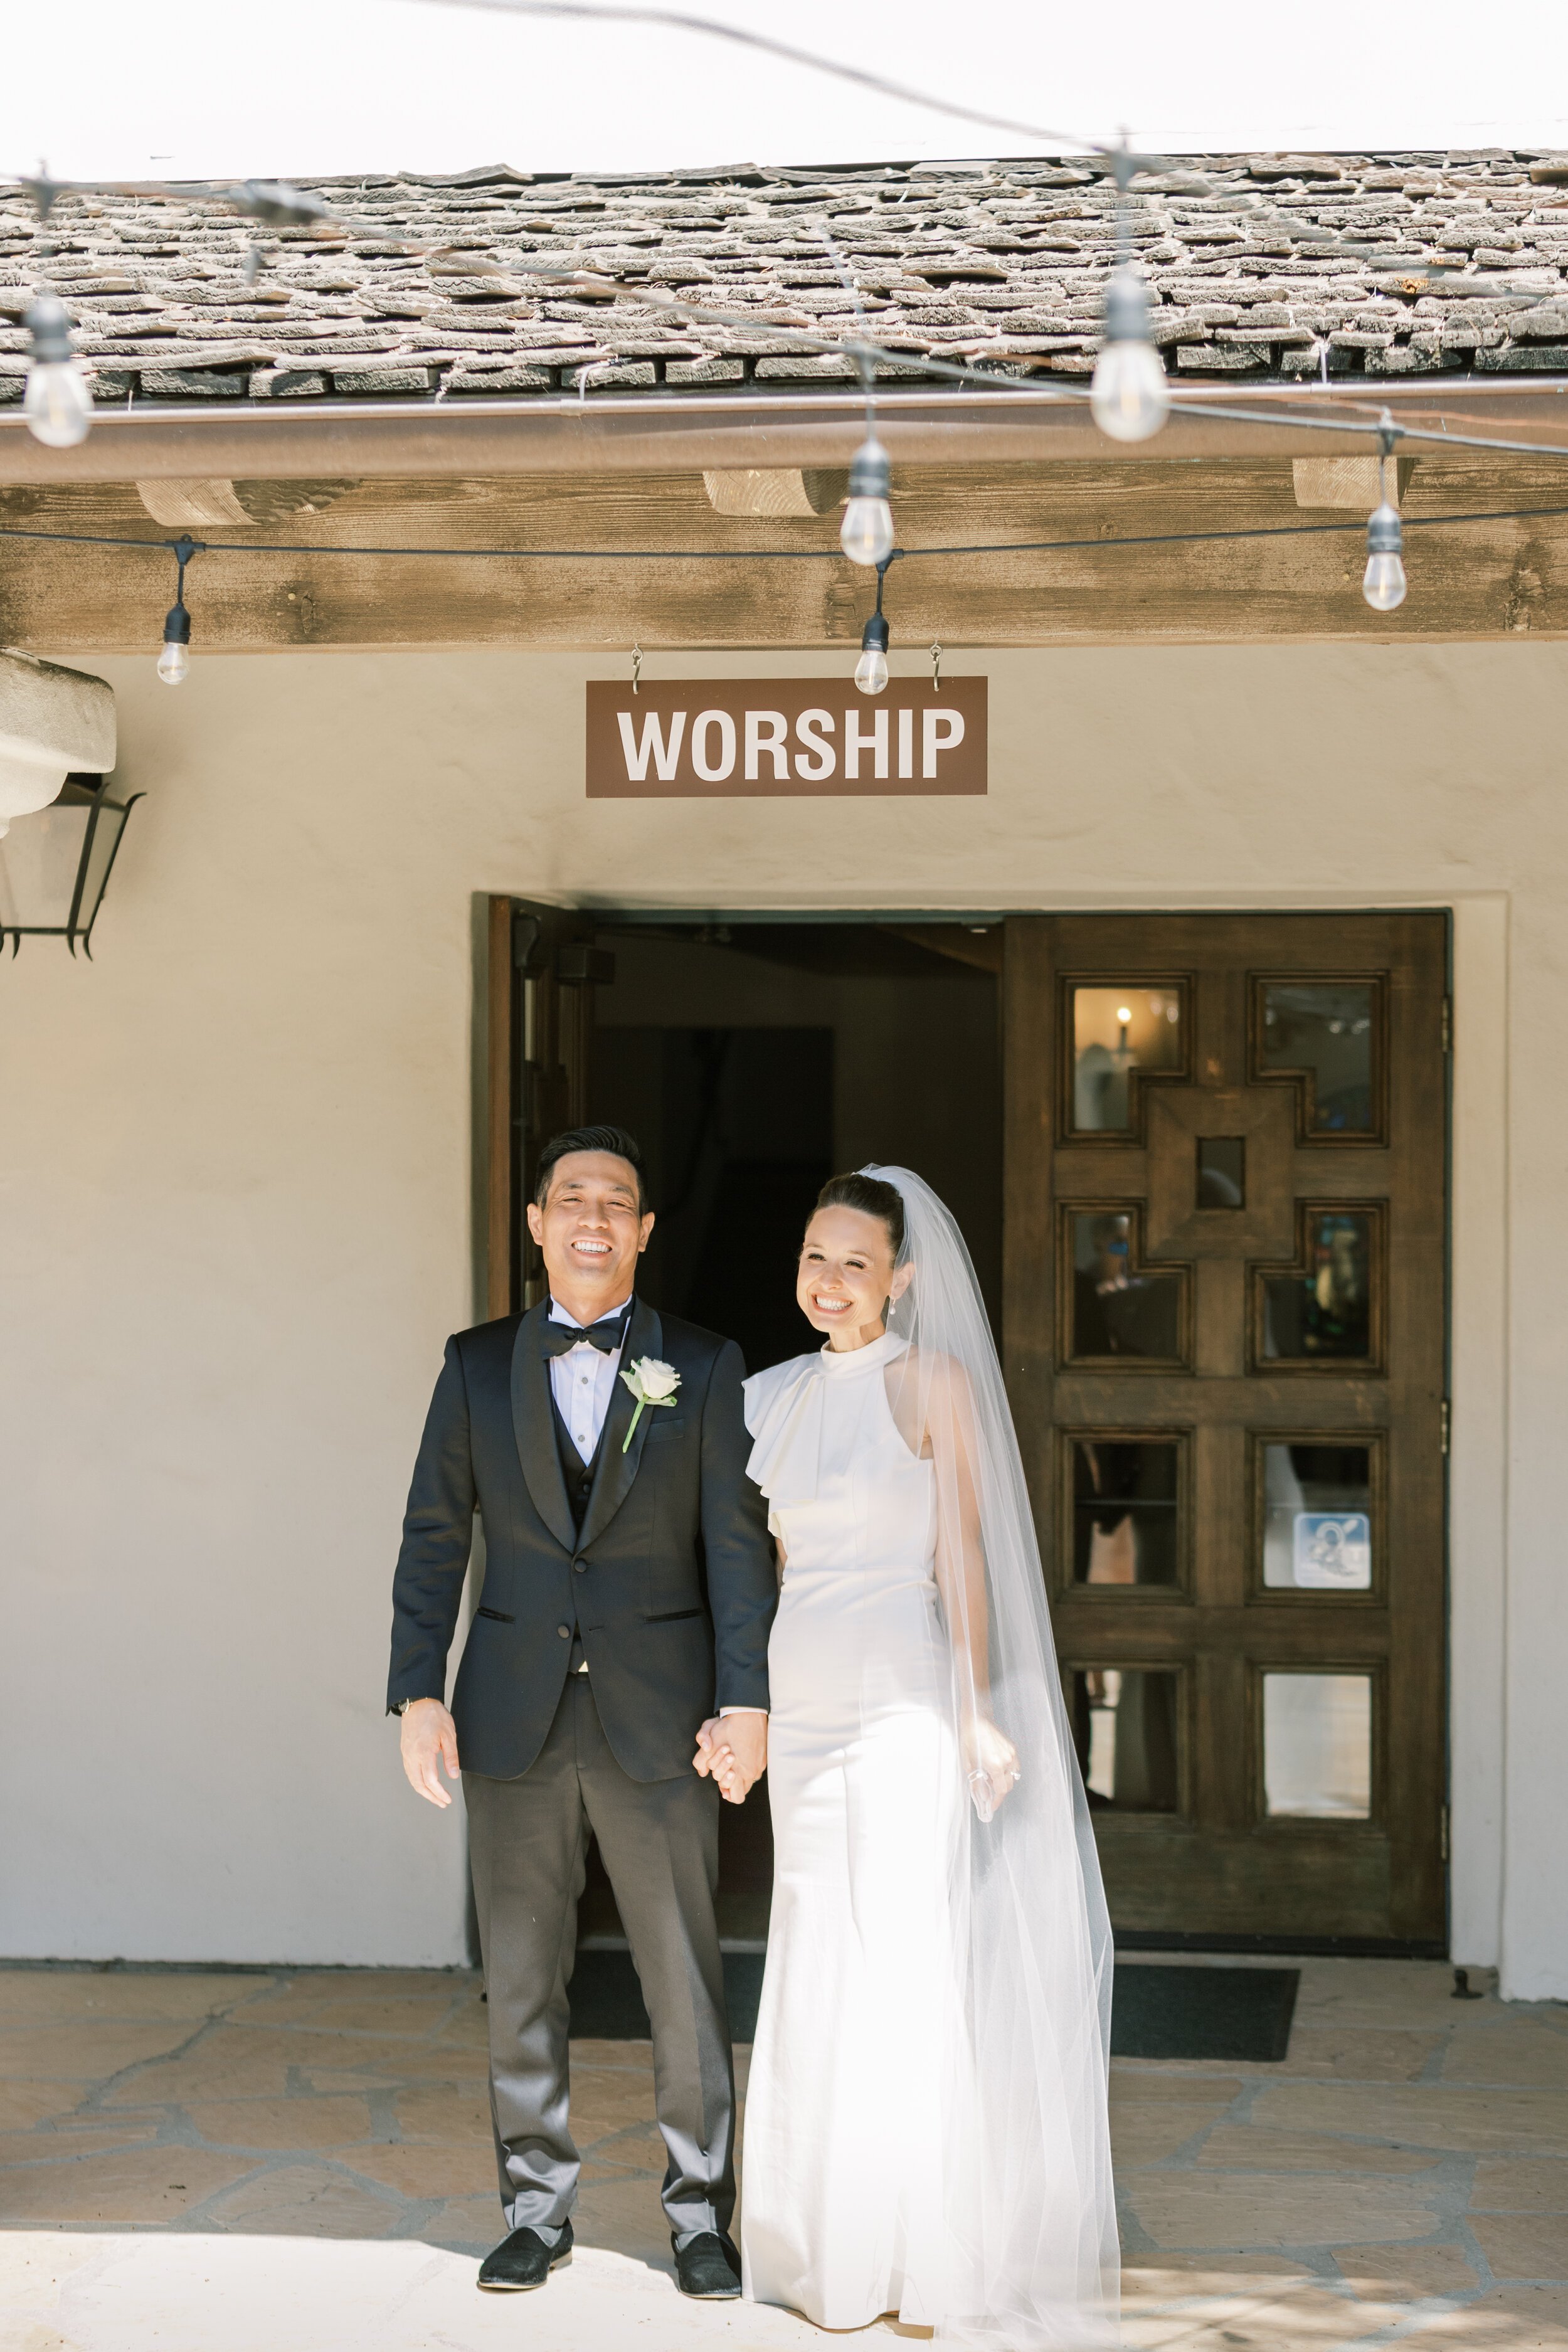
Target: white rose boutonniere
[[651, 1383]]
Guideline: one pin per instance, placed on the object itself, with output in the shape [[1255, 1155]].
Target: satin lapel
[[534, 1428], [612, 1479]]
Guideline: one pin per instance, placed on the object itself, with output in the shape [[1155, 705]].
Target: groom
[[627, 1596]]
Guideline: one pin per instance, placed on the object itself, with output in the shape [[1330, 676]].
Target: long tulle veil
[[1027, 2204]]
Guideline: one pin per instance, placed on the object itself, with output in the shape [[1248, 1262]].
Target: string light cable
[[742, 36], [1186, 181], [1058, 394], [278, 203], [298, 209], [871, 673], [1237, 532], [1130, 396]]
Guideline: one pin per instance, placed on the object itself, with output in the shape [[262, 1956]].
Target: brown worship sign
[[785, 738]]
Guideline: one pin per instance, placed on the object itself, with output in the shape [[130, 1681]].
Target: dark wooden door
[[542, 966], [1225, 1340]]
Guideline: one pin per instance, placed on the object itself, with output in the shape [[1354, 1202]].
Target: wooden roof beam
[[699, 433]]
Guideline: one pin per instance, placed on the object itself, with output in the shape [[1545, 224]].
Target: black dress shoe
[[524, 2260], [708, 2269]]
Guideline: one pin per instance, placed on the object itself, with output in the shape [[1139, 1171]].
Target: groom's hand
[[429, 1740], [733, 1750]]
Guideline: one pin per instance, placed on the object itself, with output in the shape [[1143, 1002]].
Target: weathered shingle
[[1001, 265]]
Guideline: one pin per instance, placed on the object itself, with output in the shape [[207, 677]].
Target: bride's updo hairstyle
[[872, 1197]]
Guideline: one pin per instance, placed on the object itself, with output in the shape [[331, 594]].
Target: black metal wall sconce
[[55, 863]]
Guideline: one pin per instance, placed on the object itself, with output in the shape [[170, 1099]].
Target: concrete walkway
[[299, 2162]]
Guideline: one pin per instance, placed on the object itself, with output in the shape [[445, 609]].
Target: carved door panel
[[1225, 1339]]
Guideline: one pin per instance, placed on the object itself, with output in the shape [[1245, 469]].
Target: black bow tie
[[605, 1336]]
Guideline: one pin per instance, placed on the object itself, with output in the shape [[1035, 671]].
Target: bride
[[926, 2127]]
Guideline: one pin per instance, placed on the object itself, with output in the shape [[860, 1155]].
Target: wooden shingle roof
[[1433, 264]]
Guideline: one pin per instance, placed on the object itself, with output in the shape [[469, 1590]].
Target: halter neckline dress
[[843, 2187]]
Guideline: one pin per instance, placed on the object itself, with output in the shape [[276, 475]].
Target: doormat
[[1232, 2014], [607, 2002]]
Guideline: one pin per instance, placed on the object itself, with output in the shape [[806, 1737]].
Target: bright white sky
[[184, 89]]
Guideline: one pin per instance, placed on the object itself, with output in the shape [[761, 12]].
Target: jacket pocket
[[670, 1616], [499, 1616]]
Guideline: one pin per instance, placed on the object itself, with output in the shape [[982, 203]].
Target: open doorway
[[752, 1059], [1226, 1320]]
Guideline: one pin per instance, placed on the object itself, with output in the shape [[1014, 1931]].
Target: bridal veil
[[1027, 2205]]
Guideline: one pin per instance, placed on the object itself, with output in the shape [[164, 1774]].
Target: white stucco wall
[[236, 1161]]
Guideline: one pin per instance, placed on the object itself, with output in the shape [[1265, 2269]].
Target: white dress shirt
[[584, 1381]]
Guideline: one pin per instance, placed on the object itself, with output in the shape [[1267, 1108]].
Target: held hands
[[733, 1750], [429, 1739], [990, 1762]]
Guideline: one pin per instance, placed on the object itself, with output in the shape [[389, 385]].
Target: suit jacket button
[[564, 1631], [579, 1568]]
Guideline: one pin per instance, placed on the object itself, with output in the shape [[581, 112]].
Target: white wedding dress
[[926, 2127], [842, 2196]]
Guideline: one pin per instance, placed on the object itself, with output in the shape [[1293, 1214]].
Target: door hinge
[[1447, 1025], [1443, 1831], [1444, 1417]]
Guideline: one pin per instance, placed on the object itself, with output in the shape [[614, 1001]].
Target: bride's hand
[[715, 1760], [991, 1763]]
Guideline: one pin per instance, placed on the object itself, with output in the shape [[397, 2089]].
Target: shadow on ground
[[205, 2162]]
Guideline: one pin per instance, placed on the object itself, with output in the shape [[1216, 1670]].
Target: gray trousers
[[527, 1842]]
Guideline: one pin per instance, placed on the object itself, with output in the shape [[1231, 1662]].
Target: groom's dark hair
[[592, 1139]]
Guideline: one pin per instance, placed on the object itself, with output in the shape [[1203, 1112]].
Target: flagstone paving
[[227, 2161]]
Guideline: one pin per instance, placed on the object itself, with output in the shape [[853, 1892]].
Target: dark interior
[[752, 1061]]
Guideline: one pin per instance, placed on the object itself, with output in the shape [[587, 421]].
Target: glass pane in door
[[1323, 1030], [1221, 1172], [1316, 1518], [1317, 1745], [1324, 1314], [1125, 1520], [1116, 1031], [1124, 1725], [1118, 1310]]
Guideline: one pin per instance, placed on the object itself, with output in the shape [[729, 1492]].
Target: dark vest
[[578, 1478], [578, 1475]]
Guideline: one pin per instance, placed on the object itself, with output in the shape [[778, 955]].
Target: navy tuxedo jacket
[[670, 1583]]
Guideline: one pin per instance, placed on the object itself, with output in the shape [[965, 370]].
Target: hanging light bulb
[[175, 658], [1131, 395], [1382, 582], [871, 669], [866, 534], [58, 402]]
